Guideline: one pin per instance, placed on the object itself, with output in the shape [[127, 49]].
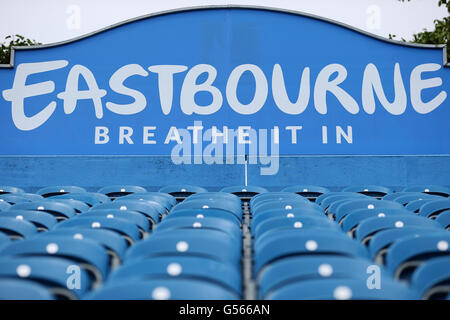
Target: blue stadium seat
[[139, 219], [202, 242], [180, 267], [326, 200], [444, 219], [152, 212], [182, 190], [307, 191], [284, 206], [17, 228], [369, 190], [120, 190], [271, 196], [351, 221], [343, 289], [4, 240], [430, 189], [51, 272], [304, 268], [9, 189], [4, 205], [348, 207], [201, 213], [57, 190], [414, 196], [291, 214], [415, 205], [182, 223], [396, 195], [433, 208], [127, 229], [408, 253], [13, 289], [215, 196], [77, 205], [275, 246], [60, 210], [281, 224], [163, 289], [164, 199], [90, 198], [432, 278], [210, 204], [369, 227], [13, 198], [244, 191], [43, 221], [89, 255]]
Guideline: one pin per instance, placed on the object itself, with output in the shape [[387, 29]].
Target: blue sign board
[[236, 77]]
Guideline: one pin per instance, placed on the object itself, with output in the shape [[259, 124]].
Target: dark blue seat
[[343, 289], [244, 191], [291, 214], [163, 289], [201, 213], [210, 204], [153, 213], [274, 246], [408, 253], [285, 206], [304, 268], [415, 205], [120, 190], [43, 221], [88, 254], [60, 210], [430, 189], [17, 228], [10, 189], [411, 194], [369, 190], [57, 190], [164, 199], [180, 267], [327, 198], [432, 278], [139, 219], [13, 198], [414, 196], [432, 209], [444, 219], [77, 205], [50, 272], [90, 198], [4, 205], [348, 207], [13, 289], [369, 227]]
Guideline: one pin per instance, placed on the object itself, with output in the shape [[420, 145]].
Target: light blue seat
[[17, 228], [367, 228], [43, 221], [139, 219], [304, 268], [244, 191], [10, 189], [275, 196], [307, 191], [163, 289], [291, 214], [59, 210], [199, 213], [86, 253], [430, 189], [50, 272], [348, 207], [77, 205], [4, 205], [352, 220], [90, 198], [182, 190], [369, 190], [382, 240], [210, 204], [180, 267], [114, 244], [223, 196], [284, 205], [444, 219], [415, 205], [127, 229], [57, 190], [396, 195], [274, 246], [281, 224], [413, 196], [433, 208], [408, 253], [13, 289], [182, 223], [13, 198], [343, 289], [151, 212], [432, 278], [120, 190], [164, 199], [327, 198], [204, 243]]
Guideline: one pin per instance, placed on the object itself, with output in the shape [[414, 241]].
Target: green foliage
[[14, 40]]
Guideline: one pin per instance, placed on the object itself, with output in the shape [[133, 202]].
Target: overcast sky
[[50, 21]]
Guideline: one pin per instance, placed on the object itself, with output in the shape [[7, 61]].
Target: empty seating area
[[238, 242]]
